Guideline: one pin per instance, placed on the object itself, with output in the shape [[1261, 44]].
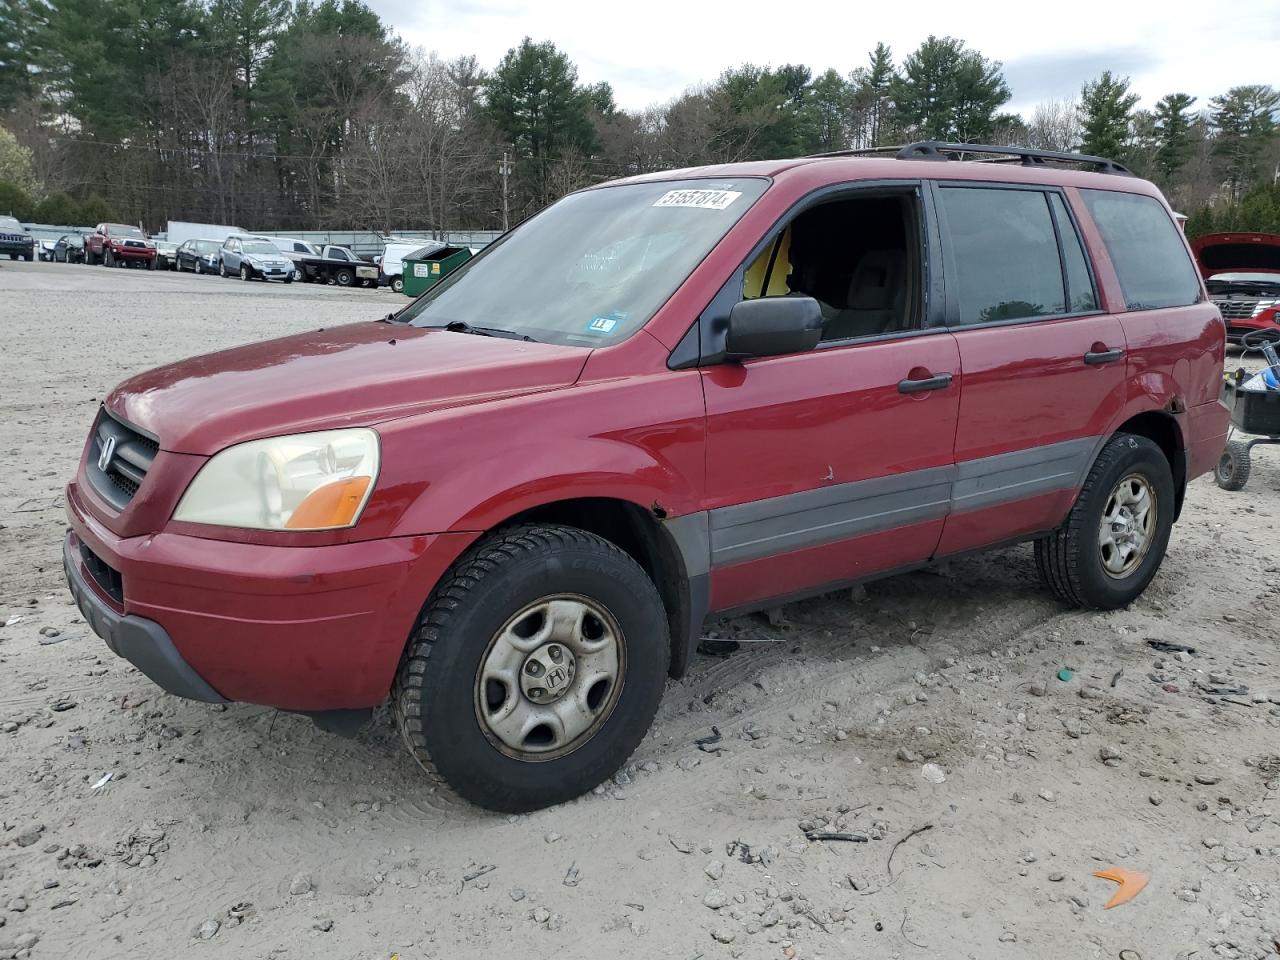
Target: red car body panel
[[786, 474]]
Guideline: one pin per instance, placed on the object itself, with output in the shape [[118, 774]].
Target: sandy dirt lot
[[240, 832]]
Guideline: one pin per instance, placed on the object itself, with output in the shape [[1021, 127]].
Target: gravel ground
[[924, 714]]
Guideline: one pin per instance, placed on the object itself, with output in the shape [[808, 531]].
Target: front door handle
[[1097, 357], [937, 382]]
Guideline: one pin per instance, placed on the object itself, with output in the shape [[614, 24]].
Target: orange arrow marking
[[1131, 883]]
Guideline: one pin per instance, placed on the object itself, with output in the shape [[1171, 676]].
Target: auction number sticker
[[702, 199]]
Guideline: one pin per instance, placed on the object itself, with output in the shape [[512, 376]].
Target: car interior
[[856, 256]]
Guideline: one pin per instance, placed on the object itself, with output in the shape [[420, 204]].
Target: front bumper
[[142, 642], [132, 253], [299, 628]]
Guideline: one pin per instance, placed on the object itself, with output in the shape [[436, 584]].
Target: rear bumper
[[1207, 433], [299, 628]]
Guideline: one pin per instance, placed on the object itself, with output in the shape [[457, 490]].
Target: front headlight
[[308, 481]]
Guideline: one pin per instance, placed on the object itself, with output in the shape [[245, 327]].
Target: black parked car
[[69, 248], [198, 256]]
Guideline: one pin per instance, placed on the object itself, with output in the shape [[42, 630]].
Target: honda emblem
[[108, 450]]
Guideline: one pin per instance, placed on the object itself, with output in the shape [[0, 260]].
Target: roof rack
[[1027, 156]]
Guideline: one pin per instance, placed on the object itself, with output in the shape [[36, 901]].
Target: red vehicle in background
[[1242, 274], [510, 506], [119, 245]]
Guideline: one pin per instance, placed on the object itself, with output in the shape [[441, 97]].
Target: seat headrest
[[877, 280]]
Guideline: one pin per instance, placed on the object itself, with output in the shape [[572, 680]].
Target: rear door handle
[[1096, 357], [938, 382]]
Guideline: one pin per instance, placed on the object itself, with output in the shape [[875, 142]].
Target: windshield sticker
[[604, 326], [702, 199]]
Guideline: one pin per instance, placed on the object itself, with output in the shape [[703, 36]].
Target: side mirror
[[772, 326]]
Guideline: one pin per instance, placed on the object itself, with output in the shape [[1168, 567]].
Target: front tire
[[1115, 537], [108, 259], [530, 602], [244, 272], [1232, 471]]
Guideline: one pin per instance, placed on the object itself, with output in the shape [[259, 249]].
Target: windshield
[[593, 268], [10, 223], [208, 246], [259, 246], [122, 230]]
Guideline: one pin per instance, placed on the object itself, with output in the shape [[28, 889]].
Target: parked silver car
[[251, 258]]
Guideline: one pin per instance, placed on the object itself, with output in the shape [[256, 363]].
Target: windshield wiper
[[461, 326]]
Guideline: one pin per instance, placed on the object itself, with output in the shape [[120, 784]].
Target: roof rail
[[938, 150], [1029, 156]]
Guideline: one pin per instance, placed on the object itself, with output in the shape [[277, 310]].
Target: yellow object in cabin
[[767, 275]]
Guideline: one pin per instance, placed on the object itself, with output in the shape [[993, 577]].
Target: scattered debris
[[933, 773], [1165, 646], [106, 778], [1131, 883], [1065, 674], [850, 837], [888, 866]]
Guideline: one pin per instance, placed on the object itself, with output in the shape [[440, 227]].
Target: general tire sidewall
[[462, 753], [1146, 458]]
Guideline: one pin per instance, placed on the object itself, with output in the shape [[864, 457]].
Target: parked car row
[[246, 256]]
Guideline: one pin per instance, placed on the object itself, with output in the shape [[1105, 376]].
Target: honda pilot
[[510, 507]]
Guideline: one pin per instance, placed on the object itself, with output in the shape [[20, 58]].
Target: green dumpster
[[424, 268]]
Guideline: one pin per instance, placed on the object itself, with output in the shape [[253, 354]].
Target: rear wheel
[[1232, 471], [535, 669], [397, 284], [1116, 535], [344, 277]]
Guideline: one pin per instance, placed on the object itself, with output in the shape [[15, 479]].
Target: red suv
[[511, 506], [119, 245]]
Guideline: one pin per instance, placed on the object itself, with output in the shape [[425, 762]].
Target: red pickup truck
[[511, 506], [119, 245]]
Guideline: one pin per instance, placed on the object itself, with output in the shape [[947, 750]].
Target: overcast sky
[[657, 49]]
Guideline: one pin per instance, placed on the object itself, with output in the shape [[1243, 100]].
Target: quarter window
[[1081, 297], [1003, 255], [1146, 250]]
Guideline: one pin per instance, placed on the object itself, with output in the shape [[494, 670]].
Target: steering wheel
[[1254, 339]]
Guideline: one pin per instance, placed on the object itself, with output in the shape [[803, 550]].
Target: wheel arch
[[1162, 429], [668, 550]]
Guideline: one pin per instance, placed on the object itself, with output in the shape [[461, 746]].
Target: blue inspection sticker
[[606, 325]]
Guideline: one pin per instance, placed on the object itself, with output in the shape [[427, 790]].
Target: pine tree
[[1173, 134], [1244, 122], [946, 92], [1106, 107]]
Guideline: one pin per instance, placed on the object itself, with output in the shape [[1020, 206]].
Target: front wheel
[[108, 259], [535, 669], [222, 269], [244, 272], [1232, 471], [1115, 537]]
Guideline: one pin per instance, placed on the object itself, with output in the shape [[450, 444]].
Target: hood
[[354, 375], [1237, 253]]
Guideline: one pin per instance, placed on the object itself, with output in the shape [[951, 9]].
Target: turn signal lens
[[333, 505]]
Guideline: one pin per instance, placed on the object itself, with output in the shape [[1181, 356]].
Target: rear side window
[[1002, 255], [1146, 250]]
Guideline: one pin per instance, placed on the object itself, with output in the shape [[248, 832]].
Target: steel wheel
[[1128, 519], [550, 678]]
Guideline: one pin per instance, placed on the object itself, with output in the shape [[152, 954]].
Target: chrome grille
[[1242, 308], [117, 473]]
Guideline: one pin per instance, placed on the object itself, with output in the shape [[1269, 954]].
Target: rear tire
[[1232, 471], [451, 715], [344, 277], [1089, 563], [397, 285]]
